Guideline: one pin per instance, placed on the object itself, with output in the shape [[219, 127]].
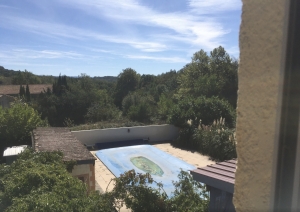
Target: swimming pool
[[163, 167]]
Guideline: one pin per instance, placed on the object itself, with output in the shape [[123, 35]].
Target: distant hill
[[12, 77]]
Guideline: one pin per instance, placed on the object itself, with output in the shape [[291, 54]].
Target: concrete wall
[[87, 172], [155, 133], [262, 38]]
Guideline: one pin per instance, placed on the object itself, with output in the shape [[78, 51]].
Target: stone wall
[[86, 173]]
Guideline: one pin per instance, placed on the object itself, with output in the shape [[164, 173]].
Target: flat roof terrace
[[103, 176]]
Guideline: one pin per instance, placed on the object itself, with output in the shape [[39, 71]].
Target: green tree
[[16, 123], [128, 80], [27, 93], [201, 110], [135, 190], [138, 107], [102, 110], [22, 92], [214, 75], [70, 101], [39, 181], [164, 105], [25, 77]]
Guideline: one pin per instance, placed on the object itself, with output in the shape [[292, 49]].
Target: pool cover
[[163, 167]]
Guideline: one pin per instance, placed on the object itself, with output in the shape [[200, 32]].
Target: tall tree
[[22, 91], [27, 93], [214, 75], [128, 80]]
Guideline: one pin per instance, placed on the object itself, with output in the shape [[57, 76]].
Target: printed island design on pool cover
[[163, 167]]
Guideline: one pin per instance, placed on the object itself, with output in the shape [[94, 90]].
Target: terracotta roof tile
[[60, 139], [14, 89]]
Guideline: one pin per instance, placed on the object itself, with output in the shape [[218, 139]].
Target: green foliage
[[27, 94], [16, 123], [189, 195], [164, 104], [201, 110], [132, 189], [75, 100], [138, 107], [60, 86], [25, 77], [22, 91], [102, 110], [128, 80], [214, 75], [140, 192], [216, 140], [146, 80], [40, 182], [140, 112]]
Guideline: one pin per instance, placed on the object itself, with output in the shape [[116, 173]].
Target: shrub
[[201, 110], [102, 111], [137, 107], [39, 181], [135, 191], [16, 123], [216, 140]]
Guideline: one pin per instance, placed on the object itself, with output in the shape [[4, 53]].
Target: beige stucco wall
[[88, 172], [261, 49]]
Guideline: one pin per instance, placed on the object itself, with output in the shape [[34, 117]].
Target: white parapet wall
[[155, 133]]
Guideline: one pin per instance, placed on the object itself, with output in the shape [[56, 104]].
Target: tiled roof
[[220, 175], [60, 139], [15, 89]]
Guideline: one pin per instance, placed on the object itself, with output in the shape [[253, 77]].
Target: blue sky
[[103, 37]]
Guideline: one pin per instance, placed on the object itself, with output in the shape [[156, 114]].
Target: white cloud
[[157, 58], [39, 54], [193, 29], [61, 30]]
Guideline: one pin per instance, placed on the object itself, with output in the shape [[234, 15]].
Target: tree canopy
[[40, 182], [128, 80], [16, 124]]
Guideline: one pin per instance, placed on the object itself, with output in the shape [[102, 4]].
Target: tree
[[128, 80], [60, 86], [201, 110], [16, 123], [103, 109], [135, 190], [138, 107], [39, 181], [164, 105], [22, 92], [27, 93], [214, 75]]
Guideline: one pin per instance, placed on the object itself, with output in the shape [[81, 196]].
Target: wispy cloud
[[157, 58], [191, 28], [39, 54], [61, 30], [7, 7]]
